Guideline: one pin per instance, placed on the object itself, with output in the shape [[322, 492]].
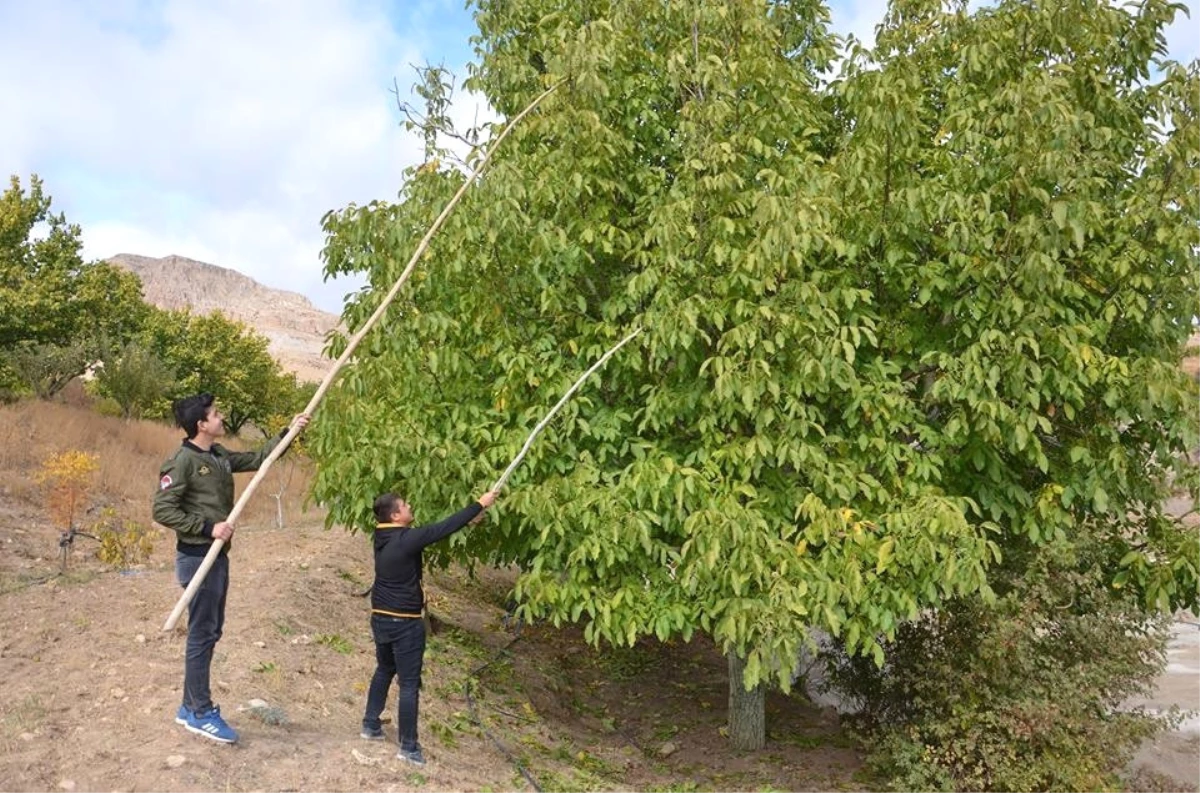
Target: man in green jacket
[[194, 498]]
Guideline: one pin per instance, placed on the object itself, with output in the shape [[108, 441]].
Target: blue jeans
[[399, 653], [206, 619]]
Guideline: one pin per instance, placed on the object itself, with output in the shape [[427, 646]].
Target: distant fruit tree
[[223, 356], [55, 308]]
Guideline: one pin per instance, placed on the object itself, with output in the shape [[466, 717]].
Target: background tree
[[289, 397], [66, 478], [220, 355], [48, 294], [45, 369], [136, 378], [286, 396], [900, 326]]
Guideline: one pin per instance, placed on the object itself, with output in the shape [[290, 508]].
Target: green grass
[[839, 739], [346, 575], [335, 642]]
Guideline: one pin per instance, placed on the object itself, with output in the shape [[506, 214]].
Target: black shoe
[[413, 756], [372, 733]]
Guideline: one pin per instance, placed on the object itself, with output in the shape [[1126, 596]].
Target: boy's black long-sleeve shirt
[[398, 569]]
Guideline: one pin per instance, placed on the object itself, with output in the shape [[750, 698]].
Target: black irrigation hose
[[66, 540], [27, 584], [48, 577], [479, 723]]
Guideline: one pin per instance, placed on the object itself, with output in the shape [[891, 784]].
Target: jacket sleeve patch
[[165, 482]]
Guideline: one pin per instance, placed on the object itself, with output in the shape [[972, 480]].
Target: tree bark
[[747, 709]]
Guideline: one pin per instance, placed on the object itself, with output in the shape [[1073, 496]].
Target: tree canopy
[[54, 306], [222, 356], [903, 317]]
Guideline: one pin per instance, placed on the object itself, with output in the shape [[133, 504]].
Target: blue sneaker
[[414, 756], [210, 724], [182, 715]]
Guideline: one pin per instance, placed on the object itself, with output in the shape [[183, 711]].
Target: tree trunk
[[747, 709]]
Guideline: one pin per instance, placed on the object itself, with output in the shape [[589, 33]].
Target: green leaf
[[1059, 209]]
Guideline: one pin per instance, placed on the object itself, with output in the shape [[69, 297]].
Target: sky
[[223, 130]]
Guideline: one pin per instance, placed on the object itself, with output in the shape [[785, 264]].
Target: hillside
[[294, 326]]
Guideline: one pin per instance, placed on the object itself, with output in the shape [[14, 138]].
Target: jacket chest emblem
[[204, 470]]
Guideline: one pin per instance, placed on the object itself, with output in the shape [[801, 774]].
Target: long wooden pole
[[542, 424], [294, 430]]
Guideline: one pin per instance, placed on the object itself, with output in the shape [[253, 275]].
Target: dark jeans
[[206, 618], [399, 651]]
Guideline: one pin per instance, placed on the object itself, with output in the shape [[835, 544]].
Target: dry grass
[[1191, 361], [130, 454]]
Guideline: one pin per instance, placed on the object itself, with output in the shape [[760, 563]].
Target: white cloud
[[858, 17], [223, 130], [220, 131]]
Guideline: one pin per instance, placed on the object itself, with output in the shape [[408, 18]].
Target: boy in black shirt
[[397, 608]]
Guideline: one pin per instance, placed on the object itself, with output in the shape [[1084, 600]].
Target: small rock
[[257, 703], [67, 784], [221, 684], [362, 758], [260, 644], [667, 749], [175, 760], [140, 638], [117, 693], [27, 736]]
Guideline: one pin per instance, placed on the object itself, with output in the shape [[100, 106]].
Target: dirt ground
[[91, 683]]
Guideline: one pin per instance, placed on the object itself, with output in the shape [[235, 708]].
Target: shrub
[[123, 543], [107, 406], [1021, 694]]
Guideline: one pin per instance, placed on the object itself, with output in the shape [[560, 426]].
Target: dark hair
[[190, 411], [385, 505]]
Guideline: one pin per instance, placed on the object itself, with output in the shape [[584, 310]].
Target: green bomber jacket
[[195, 489]]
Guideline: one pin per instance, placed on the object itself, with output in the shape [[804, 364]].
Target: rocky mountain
[[294, 327]]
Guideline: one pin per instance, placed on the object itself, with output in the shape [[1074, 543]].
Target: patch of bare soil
[[91, 684]]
